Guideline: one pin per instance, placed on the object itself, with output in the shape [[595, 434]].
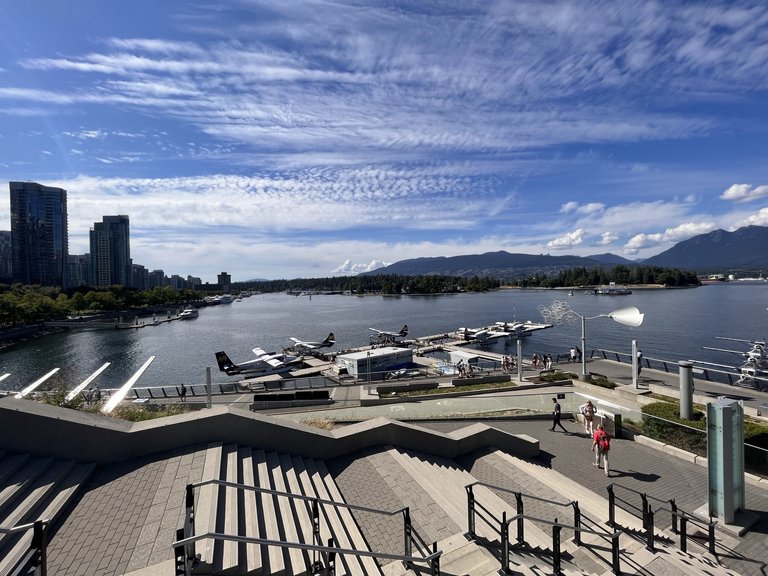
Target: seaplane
[[304, 347], [519, 329], [263, 365], [480, 334], [756, 352], [385, 337]]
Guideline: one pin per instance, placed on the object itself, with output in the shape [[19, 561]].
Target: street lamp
[[630, 316]]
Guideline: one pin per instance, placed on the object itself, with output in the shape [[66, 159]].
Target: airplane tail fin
[[404, 330], [329, 341], [225, 364]]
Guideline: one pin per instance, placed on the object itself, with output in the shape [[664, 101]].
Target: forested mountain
[[719, 251]]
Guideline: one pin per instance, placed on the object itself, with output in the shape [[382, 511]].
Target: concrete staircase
[[233, 511], [33, 489]]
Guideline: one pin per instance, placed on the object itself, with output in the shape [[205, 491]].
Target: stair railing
[[648, 514], [186, 557], [36, 557], [501, 526]]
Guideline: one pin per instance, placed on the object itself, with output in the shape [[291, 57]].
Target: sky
[[294, 139]]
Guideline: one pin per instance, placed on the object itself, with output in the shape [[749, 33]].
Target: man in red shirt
[[601, 445]]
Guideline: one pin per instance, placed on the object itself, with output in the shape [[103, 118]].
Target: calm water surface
[[678, 323]]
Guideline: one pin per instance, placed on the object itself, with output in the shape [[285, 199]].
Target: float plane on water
[[263, 365], [305, 347]]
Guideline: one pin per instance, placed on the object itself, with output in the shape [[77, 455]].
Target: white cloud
[[669, 236], [607, 238], [744, 192], [758, 219], [347, 268], [582, 209], [568, 240]]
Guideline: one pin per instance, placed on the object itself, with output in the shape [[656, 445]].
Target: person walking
[[588, 411], [601, 445], [639, 362], [556, 416], [573, 354], [183, 393], [578, 354]]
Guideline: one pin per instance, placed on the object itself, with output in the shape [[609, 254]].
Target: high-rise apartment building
[[111, 252], [39, 235], [6, 257]]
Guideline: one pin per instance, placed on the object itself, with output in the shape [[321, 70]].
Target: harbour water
[[678, 324]]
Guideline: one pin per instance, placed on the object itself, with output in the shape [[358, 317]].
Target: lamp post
[[630, 316]]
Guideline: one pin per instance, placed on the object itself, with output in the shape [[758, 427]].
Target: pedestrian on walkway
[[601, 445], [556, 416], [588, 410], [578, 354], [639, 362], [183, 392], [573, 354]]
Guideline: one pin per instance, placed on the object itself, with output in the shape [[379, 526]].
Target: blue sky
[[302, 139]]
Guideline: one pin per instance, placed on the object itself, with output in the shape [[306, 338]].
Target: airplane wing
[[304, 344]]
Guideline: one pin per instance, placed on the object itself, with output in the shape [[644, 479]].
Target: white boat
[[189, 313]]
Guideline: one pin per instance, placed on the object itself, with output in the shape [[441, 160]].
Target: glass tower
[[111, 252], [39, 234]]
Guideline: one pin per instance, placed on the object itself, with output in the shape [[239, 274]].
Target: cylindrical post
[[649, 537], [470, 512], [520, 519], [576, 523], [584, 347], [615, 553], [673, 507], [711, 538], [556, 564], [208, 400], [504, 532], [407, 532], [611, 507], [634, 364], [519, 359], [683, 534], [686, 390]]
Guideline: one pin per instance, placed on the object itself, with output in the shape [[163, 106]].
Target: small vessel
[[570, 293], [612, 290], [189, 313]]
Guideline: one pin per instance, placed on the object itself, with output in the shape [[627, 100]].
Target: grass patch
[[557, 377], [150, 412]]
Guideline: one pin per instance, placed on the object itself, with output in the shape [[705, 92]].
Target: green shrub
[[662, 422], [600, 380], [557, 376]]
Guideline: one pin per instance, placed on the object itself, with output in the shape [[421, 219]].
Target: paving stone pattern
[[126, 518]]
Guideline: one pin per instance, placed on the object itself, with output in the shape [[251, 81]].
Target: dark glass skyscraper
[[39, 234]]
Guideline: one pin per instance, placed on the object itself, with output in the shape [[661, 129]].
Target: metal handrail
[[186, 538], [556, 527], [303, 546], [261, 490], [37, 555], [648, 515]]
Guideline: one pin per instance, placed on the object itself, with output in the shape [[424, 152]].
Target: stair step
[[275, 560], [18, 483], [250, 554], [207, 501], [226, 551], [296, 562], [340, 520]]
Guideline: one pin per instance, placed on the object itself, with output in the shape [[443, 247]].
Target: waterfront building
[[194, 282], [39, 234], [139, 277], [78, 270], [6, 257], [157, 279], [111, 252], [224, 281]]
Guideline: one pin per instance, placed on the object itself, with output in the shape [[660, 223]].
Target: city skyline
[[308, 139]]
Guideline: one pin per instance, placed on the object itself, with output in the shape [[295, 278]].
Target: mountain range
[[719, 251]]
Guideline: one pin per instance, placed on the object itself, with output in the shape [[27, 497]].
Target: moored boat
[[188, 313]]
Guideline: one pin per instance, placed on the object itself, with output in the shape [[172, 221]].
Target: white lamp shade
[[630, 316]]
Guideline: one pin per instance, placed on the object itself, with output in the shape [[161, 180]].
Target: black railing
[[679, 518], [35, 559], [186, 557], [476, 510]]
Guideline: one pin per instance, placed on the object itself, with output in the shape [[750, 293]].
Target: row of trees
[[620, 274], [20, 305], [377, 284]]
